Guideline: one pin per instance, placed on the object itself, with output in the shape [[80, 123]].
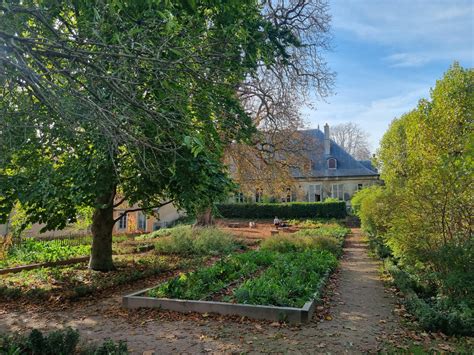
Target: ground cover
[[37, 250], [178, 248], [63, 342], [286, 271], [76, 281]]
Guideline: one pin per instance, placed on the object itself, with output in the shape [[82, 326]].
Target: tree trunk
[[204, 219], [101, 252]]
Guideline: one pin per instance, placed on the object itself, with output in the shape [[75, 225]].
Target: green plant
[[59, 342], [290, 281], [109, 347], [199, 284], [184, 240], [285, 243], [283, 210], [34, 251], [327, 230]]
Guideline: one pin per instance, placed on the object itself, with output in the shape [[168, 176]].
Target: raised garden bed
[[258, 284], [289, 314]]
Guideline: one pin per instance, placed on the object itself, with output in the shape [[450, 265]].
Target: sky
[[387, 55]]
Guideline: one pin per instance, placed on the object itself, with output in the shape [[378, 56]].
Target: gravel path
[[355, 318]]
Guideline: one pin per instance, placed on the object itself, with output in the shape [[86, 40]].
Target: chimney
[[327, 142]]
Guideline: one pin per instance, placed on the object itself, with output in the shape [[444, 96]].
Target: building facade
[[333, 173]]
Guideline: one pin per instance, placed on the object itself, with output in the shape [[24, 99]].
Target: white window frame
[[313, 190], [337, 191], [123, 221]]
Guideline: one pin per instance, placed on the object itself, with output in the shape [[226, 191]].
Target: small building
[[138, 221]]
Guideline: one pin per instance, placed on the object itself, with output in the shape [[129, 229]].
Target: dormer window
[[332, 163]]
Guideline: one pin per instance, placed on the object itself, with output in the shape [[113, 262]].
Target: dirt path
[[358, 319]]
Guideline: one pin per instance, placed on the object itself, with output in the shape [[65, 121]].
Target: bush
[[433, 313], [60, 342], [328, 230], [285, 243], [283, 210], [184, 240]]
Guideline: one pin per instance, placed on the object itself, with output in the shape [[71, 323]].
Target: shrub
[[328, 230], [283, 210], [60, 342], [285, 243], [433, 313], [184, 240]]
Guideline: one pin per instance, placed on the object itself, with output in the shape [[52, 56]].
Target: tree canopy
[[424, 211], [124, 98]]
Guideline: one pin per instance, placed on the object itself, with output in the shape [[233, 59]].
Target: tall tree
[[426, 160], [353, 139], [275, 95], [123, 98]]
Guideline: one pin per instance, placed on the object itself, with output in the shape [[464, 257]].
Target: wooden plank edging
[[46, 264]]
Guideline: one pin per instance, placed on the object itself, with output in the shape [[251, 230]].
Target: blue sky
[[387, 55]]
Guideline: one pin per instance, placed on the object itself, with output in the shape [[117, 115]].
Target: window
[[288, 194], [332, 163], [123, 221], [359, 187], [259, 195], [315, 193], [337, 191], [141, 218], [239, 197]]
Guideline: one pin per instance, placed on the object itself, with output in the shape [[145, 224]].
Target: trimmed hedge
[[283, 210]]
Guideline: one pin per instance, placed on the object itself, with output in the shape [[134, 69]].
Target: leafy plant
[[290, 281], [34, 251], [60, 342], [332, 209], [184, 240], [285, 243], [199, 284]]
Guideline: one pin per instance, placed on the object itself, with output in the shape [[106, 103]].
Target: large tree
[[275, 96], [136, 99], [424, 210], [353, 139]]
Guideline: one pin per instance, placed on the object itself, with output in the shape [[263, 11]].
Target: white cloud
[[401, 60], [419, 31], [374, 116]]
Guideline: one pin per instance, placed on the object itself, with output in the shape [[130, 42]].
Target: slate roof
[[346, 164]]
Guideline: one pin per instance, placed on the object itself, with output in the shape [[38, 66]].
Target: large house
[[332, 173]]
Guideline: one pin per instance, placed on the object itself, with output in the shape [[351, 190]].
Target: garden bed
[[262, 284], [273, 313]]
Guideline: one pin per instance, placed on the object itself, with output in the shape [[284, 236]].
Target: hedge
[[283, 210]]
